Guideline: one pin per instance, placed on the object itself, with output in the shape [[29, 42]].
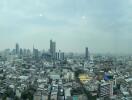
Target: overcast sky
[[102, 25]]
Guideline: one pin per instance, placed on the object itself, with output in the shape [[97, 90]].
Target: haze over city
[[102, 25]]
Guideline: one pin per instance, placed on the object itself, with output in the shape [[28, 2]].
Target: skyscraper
[[17, 48], [59, 55], [35, 53], [21, 51], [86, 53], [52, 49]]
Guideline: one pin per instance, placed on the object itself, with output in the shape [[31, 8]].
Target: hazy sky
[[102, 25]]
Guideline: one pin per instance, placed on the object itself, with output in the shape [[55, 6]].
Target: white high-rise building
[[106, 89], [60, 55]]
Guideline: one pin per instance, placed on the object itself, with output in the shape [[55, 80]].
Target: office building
[[52, 49], [87, 56], [60, 55], [57, 55], [21, 51], [17, 48], [35, 53]]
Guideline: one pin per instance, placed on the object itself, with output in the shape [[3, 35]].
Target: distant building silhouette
[[21, 52], [17, 49], [52, 49], [60, 55], [35, 53], [87, 56]]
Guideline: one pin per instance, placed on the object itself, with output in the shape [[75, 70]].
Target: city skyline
[[103, 26]]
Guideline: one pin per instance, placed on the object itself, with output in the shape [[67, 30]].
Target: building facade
[[52, 49]]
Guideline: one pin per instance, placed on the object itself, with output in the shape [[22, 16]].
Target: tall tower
[[35, 53], [52, 49], [51, 46], [87, 56], [17, 48]]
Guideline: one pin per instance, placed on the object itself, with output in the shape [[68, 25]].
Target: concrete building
[[35, 53], [87, 56], [106, 89], [53, 49], [60, 55], [17, 48]]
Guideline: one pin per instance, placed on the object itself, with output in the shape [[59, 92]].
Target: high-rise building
[[52, 49], [28, 52], [21, 51], [59, 55], [106, 89], [17, 48], [62, 56], [35, 53], [87, 56]]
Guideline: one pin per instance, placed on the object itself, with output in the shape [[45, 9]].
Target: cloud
[[74, 24]]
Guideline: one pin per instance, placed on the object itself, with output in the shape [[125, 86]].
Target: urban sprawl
[[55, 75]]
